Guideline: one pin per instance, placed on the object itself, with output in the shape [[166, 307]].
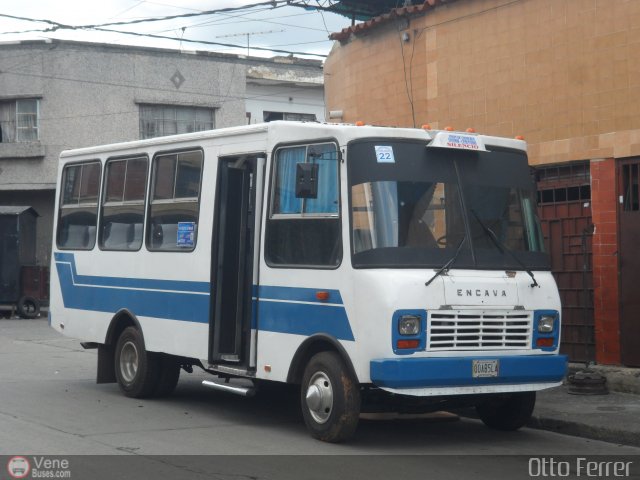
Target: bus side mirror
[[307, 180]]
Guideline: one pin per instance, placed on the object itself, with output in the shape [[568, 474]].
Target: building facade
[[57, 95], [288, 89], [562, 73]]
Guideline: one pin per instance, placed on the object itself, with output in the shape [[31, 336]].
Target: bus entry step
[[225, 387]]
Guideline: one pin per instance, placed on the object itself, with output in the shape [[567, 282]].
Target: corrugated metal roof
[[345, 33], [360, 9]]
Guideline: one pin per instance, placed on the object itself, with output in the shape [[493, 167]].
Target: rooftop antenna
[[248, 35]]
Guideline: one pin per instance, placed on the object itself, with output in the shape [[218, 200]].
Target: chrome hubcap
[[129, 362], [319, 397]]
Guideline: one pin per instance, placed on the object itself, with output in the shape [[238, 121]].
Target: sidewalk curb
[[619, 379], [577, 429]]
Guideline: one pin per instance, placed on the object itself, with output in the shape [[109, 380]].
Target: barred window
[[161, 120]]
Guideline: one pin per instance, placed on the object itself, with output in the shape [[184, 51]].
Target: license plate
[[485, 368]]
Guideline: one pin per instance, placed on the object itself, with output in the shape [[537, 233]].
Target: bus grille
[[453, 330]]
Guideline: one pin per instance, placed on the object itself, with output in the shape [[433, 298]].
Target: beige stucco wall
[[563, 73]]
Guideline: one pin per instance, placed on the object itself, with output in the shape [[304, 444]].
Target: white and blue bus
[[372, 266]]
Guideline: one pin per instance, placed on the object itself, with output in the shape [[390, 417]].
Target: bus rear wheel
[[507, 413], [137, 371], [330, 398]]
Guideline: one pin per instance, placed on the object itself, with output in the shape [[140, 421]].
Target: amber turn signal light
[[544, 342], [322, 296], [404, 344]]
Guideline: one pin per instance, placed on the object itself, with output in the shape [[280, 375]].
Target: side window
[[175, 201], [303, 229], [123, 204], [79, 206]]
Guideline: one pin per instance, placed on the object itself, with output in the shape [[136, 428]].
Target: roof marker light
[[359, 123], [449, 129], [470, 130], [426, 126], [519, 137]]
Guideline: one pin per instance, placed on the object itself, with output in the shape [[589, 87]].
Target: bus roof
[[284, 131]]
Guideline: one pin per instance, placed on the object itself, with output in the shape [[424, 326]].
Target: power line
[[140, 2], [261, 20], [233, 19], [248, 35], [101, 27], [207, 42], [204, 42], [57, 25]]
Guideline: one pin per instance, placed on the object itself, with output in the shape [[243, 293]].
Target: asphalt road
[[51, 405]]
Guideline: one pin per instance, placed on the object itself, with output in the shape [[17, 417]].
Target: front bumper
[[457, 372]]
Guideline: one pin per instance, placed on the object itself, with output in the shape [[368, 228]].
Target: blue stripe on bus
[[278, 308], [185, 306], [297, 294], [304, 319], [122, 282]]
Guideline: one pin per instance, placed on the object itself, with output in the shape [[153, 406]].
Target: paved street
[[51, 405]]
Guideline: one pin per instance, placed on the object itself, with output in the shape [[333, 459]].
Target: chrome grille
[[462, 330]]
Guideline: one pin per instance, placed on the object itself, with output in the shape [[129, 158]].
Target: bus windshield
[[415, 207]]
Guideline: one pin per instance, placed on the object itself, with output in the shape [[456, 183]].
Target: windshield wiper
[[445, 268], [503, 248]]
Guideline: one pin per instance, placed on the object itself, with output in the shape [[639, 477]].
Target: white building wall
[[284, 98]]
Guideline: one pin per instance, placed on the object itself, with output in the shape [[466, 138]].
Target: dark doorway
[[233, 261], [629, 215], [564, 207]]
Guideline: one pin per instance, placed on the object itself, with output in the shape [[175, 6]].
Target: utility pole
[[248, 35]]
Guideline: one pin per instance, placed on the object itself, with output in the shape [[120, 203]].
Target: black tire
[[330, 398], [137, 371], [28, 307], [507, 413], [168, 376]]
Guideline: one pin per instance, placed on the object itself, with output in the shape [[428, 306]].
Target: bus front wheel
[[330, 398], [137, 371], [507, 413]]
